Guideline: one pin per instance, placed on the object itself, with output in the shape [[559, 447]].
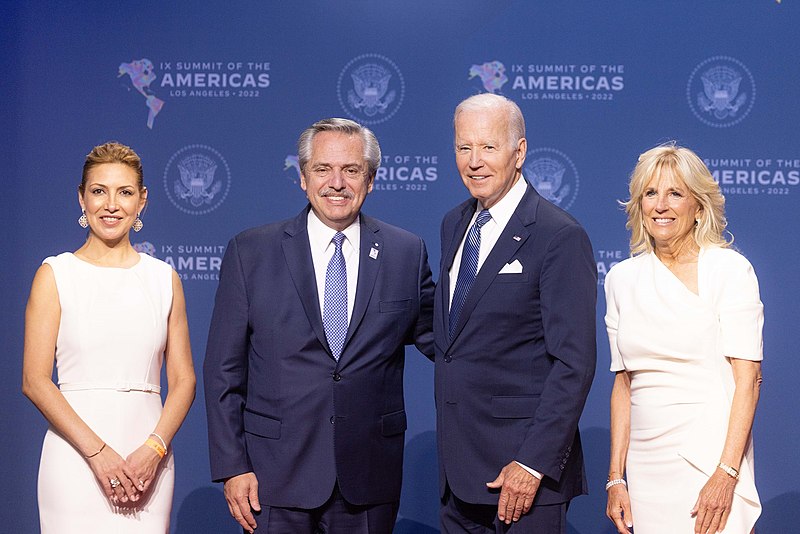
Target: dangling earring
[[137, 223], [82, 220]]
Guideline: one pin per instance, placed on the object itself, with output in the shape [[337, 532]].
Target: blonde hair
[[112, 152], [687, 167]]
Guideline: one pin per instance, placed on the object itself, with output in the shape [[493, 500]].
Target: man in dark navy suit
[[304, 364], [514, 324]]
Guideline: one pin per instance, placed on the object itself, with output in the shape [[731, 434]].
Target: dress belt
[[118, 386]]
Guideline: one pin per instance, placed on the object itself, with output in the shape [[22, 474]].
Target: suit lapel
[[369, 261], [514, 235], [297, 251]]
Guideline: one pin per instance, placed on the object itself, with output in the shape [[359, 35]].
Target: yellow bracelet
[[156, 446]]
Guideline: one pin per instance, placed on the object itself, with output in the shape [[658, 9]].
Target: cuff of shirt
[[534, 472]]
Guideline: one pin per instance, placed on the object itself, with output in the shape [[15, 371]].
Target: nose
[[475, 159], [111, 203], [337, 179], [661, 203]]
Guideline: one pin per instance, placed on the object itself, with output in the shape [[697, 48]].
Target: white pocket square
[[511, 268]]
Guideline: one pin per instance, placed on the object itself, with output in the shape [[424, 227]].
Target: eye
[[463, 149], [97, 191], [676, 194], [649, 193], [490, 148], [126, 192], [352, 172], [321, 171]]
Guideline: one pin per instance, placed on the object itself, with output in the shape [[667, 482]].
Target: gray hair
[[372, 150], [500, 104]]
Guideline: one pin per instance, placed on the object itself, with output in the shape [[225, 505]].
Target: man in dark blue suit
[[304, 364], [514, 324]]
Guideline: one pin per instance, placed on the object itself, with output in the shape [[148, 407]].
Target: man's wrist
[[534, 472]]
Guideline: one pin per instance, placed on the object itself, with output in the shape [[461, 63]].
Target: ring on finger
[[114, 482]]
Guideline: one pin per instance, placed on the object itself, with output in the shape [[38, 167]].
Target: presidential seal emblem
[[492, 75], [721, 91], [197, 179], [370, 88], [553, 175]]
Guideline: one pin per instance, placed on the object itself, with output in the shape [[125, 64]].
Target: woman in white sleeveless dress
[[108, 316], [684, 321]]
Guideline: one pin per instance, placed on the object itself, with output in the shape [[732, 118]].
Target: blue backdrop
[[222, 91]]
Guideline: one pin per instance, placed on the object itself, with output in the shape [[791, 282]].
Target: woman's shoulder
[[59, 260], [628, 265], [624, 272], [725, 259], [153, 263]]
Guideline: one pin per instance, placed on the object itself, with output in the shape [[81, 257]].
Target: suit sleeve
[[225, 371], [423, 331], [568, 292]]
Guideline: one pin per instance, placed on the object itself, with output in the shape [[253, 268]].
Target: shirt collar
[[320, 234], [502, 211]]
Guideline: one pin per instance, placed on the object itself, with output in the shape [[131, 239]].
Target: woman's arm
[[42, 318], [181, 389], [714, 503], [618, 508]]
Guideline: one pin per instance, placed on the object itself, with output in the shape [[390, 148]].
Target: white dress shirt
[[322, 249], [490, 232]]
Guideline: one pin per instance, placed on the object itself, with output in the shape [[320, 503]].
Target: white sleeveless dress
[[109, 352], [674, 344]]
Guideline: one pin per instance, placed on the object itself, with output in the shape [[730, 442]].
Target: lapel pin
[[517, 238], [373, 253]]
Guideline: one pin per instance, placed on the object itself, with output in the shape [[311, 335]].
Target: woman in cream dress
[[109, 317], [684, 322]]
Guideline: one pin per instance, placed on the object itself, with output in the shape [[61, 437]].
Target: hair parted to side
[[500, 104], [112, 152], [686, 166], [372, 150]]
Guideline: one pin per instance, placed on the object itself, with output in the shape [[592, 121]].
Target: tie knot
[[338, 239], [483, 217]]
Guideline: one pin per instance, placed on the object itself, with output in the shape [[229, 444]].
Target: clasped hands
[[517, 489], [125, 480]]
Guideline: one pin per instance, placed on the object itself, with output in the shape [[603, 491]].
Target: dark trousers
[[336, 516], [458, 517]]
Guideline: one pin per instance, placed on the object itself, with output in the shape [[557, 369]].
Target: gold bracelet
[[96, 453], [733, 473], [156, 446]]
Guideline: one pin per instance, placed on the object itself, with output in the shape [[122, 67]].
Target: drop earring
[[82, 220], [137, 223]]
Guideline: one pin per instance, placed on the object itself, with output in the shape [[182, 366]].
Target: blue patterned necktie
[[334, 314], [469, 267]]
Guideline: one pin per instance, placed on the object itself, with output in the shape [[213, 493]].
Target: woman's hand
[[618, 508], [115, 476], [714, 503], [144, 463]]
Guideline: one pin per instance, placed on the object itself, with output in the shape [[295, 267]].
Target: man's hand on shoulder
[[241, 492], [517, 489]]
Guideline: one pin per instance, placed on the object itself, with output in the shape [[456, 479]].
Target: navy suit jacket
[[513, 380], [277, 402]]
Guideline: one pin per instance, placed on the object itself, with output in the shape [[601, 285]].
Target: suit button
[[332, 419], [337, 377], [448, 359]]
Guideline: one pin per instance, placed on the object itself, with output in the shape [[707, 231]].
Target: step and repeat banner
[[214, 95]]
